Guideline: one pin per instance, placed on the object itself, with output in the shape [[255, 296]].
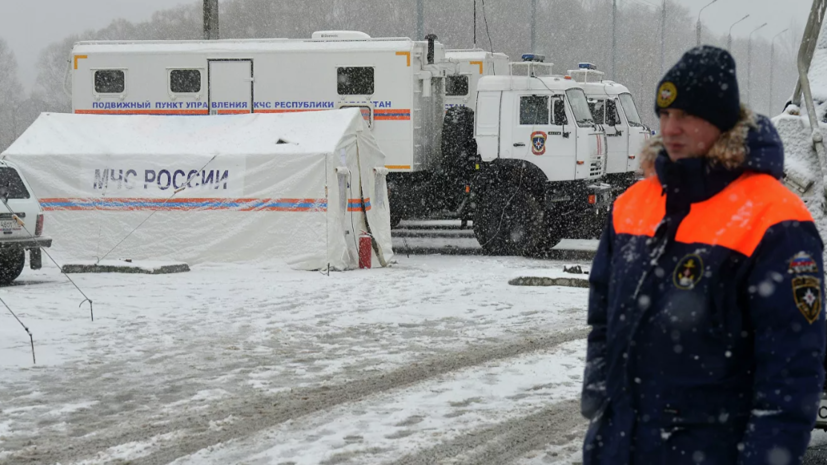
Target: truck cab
[[614, 109], [540, 147]]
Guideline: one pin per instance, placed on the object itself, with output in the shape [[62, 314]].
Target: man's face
[[686, 136]]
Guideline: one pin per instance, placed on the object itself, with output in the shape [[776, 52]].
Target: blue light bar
[[588, 66], [534, 57]]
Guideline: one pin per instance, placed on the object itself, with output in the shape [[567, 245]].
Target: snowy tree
[[52, 84], [11, 97]]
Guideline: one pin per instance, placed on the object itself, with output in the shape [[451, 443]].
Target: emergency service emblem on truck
[[538, 143]]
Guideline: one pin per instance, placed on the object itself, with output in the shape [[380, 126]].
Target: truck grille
[[596, 167]]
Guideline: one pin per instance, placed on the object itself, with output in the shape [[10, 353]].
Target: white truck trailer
[[394, 81]]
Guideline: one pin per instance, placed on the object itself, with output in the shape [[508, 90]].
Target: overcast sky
[[723, 13], [30, 25]]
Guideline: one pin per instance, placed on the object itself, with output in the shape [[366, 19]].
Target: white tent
[[298, 187]]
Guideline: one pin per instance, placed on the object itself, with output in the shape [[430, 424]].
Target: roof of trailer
[[472, 54], [242, 45]]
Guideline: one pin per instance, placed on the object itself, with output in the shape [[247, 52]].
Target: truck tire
[[509, 222], [551, 235], [12, 261]]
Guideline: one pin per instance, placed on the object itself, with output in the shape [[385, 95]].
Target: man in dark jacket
[[706, 295]]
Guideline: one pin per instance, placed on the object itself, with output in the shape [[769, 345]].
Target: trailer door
[[230, 86]]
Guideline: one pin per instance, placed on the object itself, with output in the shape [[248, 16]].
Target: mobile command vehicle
[[542, 160], [399, 86], [470, 66], [21, 224], [396, 82], [614, 108]]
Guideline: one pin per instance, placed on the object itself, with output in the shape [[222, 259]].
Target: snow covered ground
[[436, 360]]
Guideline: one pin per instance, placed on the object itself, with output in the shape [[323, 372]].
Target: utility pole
[[475, 23], [614, 40], [663, 38], [211, 20], [698, 25], [533, 26], [749, 64], [420, 19], [729, 37]]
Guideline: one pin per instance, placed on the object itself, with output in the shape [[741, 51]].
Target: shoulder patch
[[802, 263], [807, 294]]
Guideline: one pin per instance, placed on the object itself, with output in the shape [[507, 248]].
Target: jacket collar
[[753, 145], [692, 180]]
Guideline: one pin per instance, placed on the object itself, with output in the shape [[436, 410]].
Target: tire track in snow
[[506, 441], [255, 413]]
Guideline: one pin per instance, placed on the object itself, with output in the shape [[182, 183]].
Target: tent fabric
[[297, 187]]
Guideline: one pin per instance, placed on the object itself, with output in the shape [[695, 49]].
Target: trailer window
[[11, 185], [456, 86], [355, 81], [631, 111], [534, 110], [109, 81], [185, 81], [560, 118]]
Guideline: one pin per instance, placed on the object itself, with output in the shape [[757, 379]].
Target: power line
[[488, 32]]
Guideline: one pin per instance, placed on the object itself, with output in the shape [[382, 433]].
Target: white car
[[21, 224]]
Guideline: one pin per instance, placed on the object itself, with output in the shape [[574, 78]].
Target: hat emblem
[[667, 94]]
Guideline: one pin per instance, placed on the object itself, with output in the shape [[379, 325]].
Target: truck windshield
[[630, 109], [580, 107]]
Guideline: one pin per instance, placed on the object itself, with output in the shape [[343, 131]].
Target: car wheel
[[12, 261]]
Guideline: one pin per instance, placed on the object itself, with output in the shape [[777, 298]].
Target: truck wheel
[[551, 235], [509, 222], [12, 261]]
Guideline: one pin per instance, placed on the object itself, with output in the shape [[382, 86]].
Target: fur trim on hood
[[730, 150]]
